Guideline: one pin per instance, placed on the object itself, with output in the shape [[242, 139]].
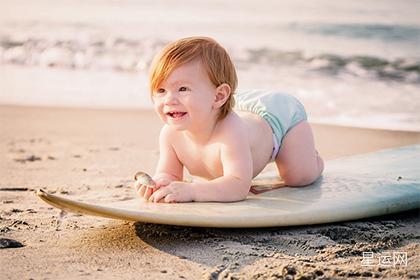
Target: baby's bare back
[[260, 139]]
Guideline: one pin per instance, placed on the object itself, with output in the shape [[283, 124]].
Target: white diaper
[[276, 148]]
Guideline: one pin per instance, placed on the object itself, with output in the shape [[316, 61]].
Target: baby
[[225, 139]]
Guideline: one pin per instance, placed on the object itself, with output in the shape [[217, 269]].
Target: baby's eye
[[183, 89], [159, 92]]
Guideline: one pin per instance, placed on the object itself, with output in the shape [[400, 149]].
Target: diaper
[[280, 110]]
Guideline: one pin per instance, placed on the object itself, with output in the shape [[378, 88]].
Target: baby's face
[[185, 99]]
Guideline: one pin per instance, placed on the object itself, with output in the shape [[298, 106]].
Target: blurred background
[[353, 63]]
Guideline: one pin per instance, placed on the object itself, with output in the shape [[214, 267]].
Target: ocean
[[353, 63]]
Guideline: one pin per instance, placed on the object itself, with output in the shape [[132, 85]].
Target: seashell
[[144, 179]]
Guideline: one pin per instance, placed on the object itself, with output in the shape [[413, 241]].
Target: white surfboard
[[351, 188]]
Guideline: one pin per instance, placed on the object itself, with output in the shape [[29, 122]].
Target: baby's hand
[[146, 186], [174, 192]]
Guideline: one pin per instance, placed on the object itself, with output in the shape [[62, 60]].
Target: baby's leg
[[297, 161]]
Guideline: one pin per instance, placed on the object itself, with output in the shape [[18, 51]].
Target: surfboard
[[351, 188]]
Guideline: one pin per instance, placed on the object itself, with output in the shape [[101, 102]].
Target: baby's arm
[[169, 168], [236, 159]]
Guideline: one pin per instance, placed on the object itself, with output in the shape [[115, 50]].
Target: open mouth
[[176, 115]]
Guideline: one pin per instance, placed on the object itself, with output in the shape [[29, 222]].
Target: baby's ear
[[222, 94]]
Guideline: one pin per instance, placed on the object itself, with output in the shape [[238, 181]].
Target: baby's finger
[[150, 199], [148, 193], [170, 198], [158, 195], [141, 190]]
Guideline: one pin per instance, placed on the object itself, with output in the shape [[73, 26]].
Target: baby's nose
[[171, 98]]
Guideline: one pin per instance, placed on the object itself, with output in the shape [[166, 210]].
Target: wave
[[400, 69], [122, 54], [383, 32]]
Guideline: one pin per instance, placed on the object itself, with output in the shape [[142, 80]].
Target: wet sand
[[93, 154]]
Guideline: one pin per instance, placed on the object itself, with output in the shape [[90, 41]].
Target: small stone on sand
[[9, 243]]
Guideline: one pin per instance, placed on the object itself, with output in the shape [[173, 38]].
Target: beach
[[92, 155]]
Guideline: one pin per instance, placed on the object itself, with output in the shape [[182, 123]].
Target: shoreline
[[332, 140], [150, 110]]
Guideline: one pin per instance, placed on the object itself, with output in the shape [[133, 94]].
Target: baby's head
[[213, 57]]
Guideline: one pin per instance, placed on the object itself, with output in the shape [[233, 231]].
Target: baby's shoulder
[[167, 132]]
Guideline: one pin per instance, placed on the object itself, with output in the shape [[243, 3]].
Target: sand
[[93, 154]]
